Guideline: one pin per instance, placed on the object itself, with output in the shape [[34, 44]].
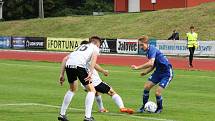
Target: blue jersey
[[161, 62]]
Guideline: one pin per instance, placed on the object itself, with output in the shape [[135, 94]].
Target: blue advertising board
[[18, 42], [5, 42]]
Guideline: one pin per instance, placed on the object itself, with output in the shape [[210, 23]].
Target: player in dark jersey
[[162, 75]]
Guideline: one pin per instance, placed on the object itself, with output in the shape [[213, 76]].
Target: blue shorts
[[162, 78]]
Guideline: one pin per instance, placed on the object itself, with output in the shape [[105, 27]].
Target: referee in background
[[192, 44]]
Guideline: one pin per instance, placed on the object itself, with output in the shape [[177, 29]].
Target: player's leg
[[72, 77], [66, 101], [191, 56], [193, 50], [165, 81], [116, 98], [68, 97], [89, 102], [147, 87], [99, 101], [105, 88], [82, 74], [152, 81], [119, 102], [159, 99]]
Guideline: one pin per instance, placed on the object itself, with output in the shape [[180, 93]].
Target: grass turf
[[156, 24], [190, 96]]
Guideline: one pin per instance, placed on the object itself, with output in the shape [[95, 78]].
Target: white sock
[[89, 104], [67, 99], [99, 102], [118, 100]]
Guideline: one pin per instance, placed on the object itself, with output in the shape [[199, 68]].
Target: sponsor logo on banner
[[35, 43], [63, 44], [179, 47], [127, 46], [18, 42], [5, 42], [104, 47], [206, 48], [108, 46]]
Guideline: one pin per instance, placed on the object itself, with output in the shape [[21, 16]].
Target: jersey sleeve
[[152, 53]]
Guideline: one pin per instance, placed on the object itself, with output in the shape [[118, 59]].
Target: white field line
[[58, 67], [77, 109]]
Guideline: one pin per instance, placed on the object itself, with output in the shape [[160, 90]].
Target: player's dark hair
[[95, 37], [84, 42], [191, 27]]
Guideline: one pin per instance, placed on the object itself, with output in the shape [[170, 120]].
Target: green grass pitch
[[29, 92]]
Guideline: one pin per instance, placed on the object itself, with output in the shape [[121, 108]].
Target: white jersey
[[96, 80], [82, 55]]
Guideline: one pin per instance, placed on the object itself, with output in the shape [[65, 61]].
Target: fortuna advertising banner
[[63, 44]]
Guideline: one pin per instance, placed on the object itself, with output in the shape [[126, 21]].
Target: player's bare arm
[[62, 71], [148, 64], [101, 70], [146, 71]]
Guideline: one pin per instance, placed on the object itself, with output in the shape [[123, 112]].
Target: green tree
[[19, 9], [97, 6], [25, 9]]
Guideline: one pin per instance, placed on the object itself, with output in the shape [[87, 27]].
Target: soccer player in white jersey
[[75, 64], [104, 88]]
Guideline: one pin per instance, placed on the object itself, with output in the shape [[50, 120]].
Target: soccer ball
[[150, 107]]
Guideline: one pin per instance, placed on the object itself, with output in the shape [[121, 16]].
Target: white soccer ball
[[150, 107]]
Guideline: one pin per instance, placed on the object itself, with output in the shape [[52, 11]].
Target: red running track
[[119, 60]]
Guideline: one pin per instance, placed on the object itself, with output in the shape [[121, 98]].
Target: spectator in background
[[192, 44], [174, 36]]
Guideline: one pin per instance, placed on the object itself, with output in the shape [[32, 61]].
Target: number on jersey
[[82, 48]]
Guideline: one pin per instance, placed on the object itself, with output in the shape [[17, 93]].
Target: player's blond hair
[[143, 38]]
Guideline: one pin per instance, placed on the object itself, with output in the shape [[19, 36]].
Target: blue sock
[[159, 102], [145, 97]]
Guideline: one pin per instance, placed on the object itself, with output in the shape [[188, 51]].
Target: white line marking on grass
[[77, 109]]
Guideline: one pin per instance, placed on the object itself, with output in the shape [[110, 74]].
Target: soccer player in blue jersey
[[162, 75]]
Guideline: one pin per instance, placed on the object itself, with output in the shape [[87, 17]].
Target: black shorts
[[103, 88], [74, 73]]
